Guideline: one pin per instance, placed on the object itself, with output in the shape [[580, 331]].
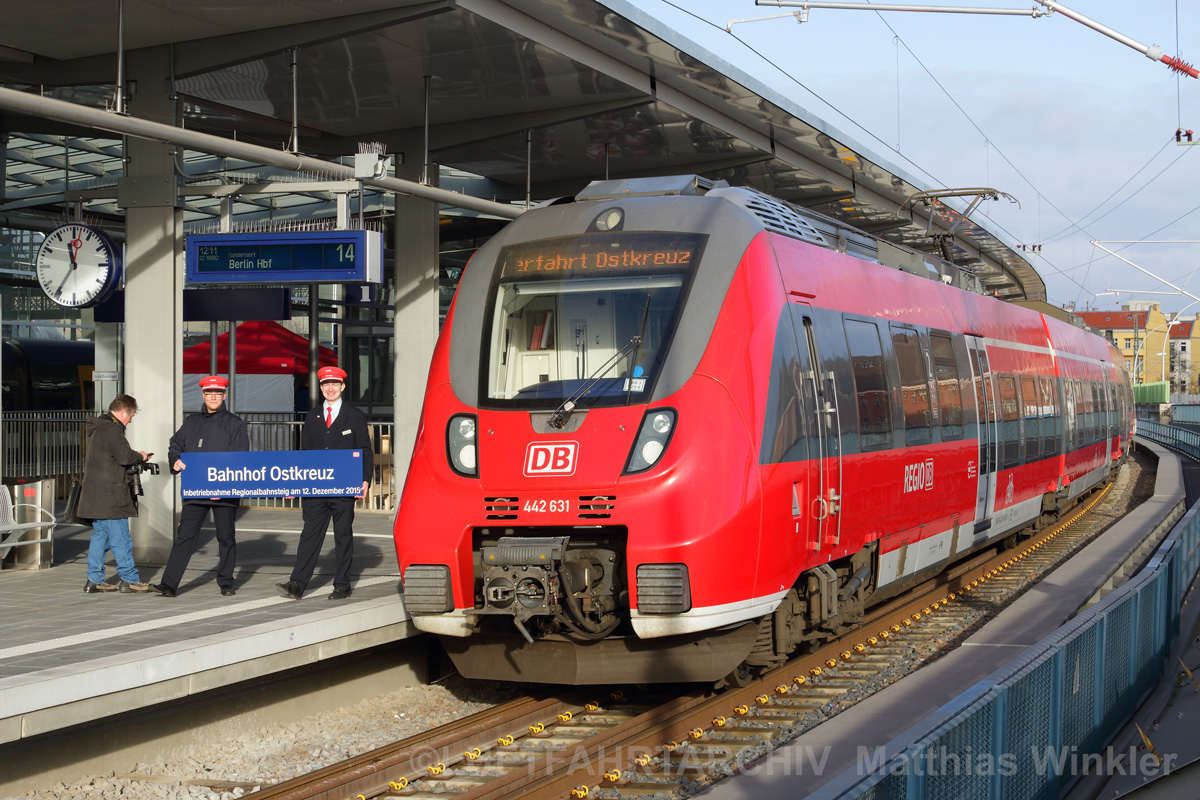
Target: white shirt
[[335, 406]]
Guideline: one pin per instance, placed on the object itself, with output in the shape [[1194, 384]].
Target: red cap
[[214, 382], [331, 374]]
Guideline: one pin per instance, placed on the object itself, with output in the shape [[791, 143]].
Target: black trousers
[[317, 513], [187, 539]]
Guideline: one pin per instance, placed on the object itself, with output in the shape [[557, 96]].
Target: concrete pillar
[[416, 314], [108, 344], [153, 300]]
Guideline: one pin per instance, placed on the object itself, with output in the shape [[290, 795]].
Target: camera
[[134, 476]]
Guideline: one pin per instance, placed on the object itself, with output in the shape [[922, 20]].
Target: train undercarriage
[[552, 605]]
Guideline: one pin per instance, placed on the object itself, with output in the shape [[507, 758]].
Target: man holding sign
[[214, 429], [332, 425]]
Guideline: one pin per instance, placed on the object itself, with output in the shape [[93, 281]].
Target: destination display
[[595, 255], [272, 473], [310, 257]]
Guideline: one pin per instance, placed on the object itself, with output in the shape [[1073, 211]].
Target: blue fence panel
[[1185, 413], [1031, 708], [1116, 702], [952, 762], [889, 786], [1079, 690], [1146, 652]]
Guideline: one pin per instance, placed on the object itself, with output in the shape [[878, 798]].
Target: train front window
[[588, 315]]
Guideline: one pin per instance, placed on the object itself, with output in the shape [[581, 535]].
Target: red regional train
[[674, 430]]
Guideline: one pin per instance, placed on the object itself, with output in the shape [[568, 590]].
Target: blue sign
[[310, 257], [272, 473]]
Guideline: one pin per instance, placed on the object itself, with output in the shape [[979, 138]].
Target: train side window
[[1082, 401], [1069, 411], [1051, 420], [783, 420], [1033, 413], [914, 386], [1090, 405], [945, 372], [1009, 421], [1113, 414], [870, 385]]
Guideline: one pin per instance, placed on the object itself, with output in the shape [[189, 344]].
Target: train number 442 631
[[542, 506]]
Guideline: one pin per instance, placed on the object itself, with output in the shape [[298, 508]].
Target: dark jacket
[[219, 431], [105, 493], [348, 432]]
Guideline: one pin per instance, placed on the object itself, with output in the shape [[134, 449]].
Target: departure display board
[[599, 254], [310, 257]]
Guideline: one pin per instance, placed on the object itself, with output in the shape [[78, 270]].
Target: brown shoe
[[136, 586], [93, 588]]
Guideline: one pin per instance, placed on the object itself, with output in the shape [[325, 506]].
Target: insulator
[[1177, 64]]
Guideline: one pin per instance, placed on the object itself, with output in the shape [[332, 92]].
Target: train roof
[[805, 224]]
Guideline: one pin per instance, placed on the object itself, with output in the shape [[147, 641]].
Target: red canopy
[[263, 348]]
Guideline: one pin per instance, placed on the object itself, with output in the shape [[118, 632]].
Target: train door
[[825, 422], [989, 437]]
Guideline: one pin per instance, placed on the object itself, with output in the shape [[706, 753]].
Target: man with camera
[[215, 429], [107, 498]]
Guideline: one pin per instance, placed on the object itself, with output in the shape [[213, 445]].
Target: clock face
[[77, 266]]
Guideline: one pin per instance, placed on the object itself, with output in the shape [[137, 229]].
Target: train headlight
[[466, 457], [460, 445], [653, 437], [651, 450]]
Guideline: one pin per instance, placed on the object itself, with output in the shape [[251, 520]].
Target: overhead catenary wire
[[1072, 224]]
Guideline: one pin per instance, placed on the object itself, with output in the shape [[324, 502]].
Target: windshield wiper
[[561, 414]]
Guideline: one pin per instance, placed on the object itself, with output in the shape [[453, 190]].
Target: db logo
[[551, 458]]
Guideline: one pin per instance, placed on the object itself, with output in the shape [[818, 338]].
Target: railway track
[[638, 741]]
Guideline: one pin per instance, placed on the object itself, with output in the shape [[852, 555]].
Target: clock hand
[[73, 267]]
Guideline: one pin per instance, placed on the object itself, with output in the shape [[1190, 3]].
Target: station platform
[[826, 761], [69, 658]]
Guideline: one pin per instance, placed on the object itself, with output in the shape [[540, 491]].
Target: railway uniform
[[214, 429], [332, 425]]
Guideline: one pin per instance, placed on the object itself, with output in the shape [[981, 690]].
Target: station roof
[[559, 92]]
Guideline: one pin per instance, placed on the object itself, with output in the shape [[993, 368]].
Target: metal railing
[[42, 444], [1185, 441], [282, 432], [49, 444]]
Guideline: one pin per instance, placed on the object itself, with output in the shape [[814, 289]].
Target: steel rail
[[365, 773]]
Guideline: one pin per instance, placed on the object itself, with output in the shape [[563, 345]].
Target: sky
[[1078, 127]]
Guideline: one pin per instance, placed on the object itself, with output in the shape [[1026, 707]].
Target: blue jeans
[[111, 534]]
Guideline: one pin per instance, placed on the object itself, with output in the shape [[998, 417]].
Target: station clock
[[77, 266]]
